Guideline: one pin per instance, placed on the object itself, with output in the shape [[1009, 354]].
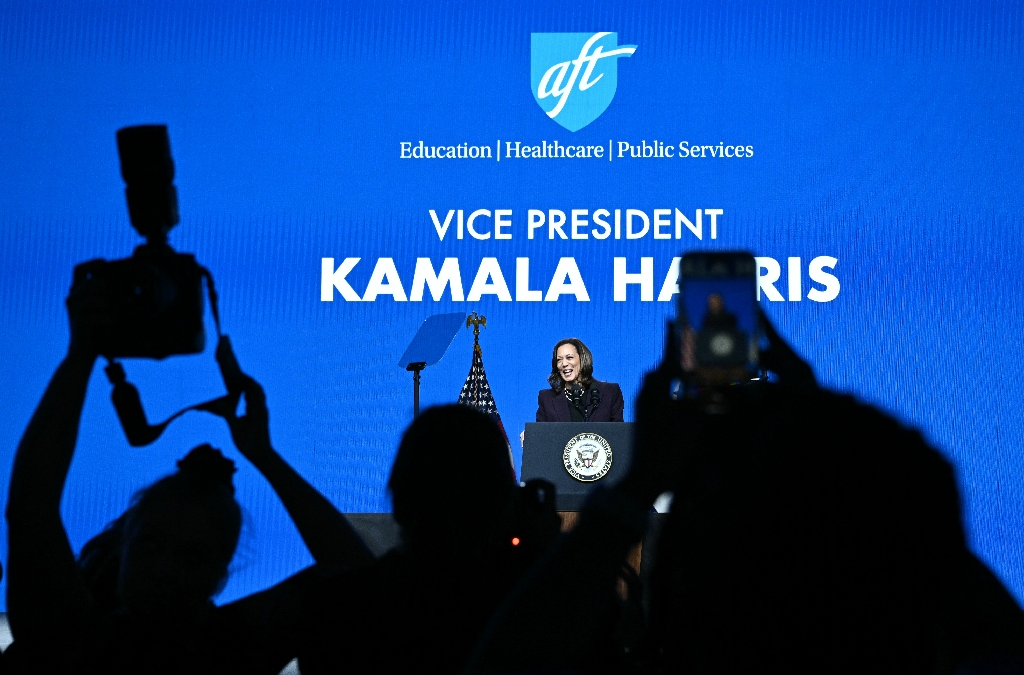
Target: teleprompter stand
[[427, 347]]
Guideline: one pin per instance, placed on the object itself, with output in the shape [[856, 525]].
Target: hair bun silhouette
[[206, 465]]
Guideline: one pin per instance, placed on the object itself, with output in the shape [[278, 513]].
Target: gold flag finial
[[475, 320]]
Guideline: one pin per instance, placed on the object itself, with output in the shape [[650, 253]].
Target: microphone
[[595, 400], [576, 398]]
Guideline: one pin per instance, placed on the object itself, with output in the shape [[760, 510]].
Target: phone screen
[[718, 315]]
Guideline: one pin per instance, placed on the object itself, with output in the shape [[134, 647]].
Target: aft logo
[[574, 75]]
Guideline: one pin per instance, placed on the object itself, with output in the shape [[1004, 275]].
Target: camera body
[[151, 304]]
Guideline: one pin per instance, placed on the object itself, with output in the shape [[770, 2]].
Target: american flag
[[476, 393]]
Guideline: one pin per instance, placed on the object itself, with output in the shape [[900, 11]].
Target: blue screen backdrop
[[886, 136]]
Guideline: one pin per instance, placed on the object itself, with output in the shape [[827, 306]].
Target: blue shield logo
[[574, 75]]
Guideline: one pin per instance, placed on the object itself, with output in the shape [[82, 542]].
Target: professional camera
[[151, 304]]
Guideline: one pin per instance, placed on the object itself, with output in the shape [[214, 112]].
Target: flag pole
[[476, 392], [475, 320]]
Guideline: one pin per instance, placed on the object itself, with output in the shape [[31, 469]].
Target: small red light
[[515, 541]]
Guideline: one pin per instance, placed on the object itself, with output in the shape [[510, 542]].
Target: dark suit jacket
[[552, 407]]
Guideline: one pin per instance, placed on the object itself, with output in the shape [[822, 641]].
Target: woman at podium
[[575, 396]]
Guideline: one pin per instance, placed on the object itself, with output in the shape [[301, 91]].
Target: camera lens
[[145, 155]]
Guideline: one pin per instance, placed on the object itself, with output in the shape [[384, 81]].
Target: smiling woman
[[575, 396]]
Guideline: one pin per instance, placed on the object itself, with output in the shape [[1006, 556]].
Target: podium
[[545, 456], [544, 450]]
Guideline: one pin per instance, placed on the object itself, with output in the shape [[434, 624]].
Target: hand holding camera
[[151, 304], [780, 359], [251, 431]]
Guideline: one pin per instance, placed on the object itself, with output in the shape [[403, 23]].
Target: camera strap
[[128, 404], [211, 292]]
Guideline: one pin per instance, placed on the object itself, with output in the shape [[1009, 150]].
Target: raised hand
[[783, 361], [666, 422], [251, 431], [326, 532], [88, 311]]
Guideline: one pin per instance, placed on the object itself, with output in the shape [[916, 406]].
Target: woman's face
[[567, 362]]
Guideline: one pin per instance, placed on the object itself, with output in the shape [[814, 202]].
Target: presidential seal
[[587, 457]]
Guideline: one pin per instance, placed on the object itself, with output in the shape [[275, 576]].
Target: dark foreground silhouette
[[421, 608], [809, 534], [138, 599]]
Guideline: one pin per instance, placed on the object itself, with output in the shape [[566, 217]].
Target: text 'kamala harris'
[[567, 279]]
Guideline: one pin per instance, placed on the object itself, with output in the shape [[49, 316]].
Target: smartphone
[[718, 326]]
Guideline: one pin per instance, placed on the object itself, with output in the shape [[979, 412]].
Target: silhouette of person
[[809, 533], [138, 599], [421, 607]]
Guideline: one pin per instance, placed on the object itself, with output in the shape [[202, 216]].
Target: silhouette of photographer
[[139, 596], [468, 533], [809, 533]]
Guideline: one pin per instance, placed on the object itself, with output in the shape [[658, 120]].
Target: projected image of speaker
[[719, 342], [718, 322]]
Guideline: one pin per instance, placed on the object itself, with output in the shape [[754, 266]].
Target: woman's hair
[[203, 478], [586, 375], [452, 472]]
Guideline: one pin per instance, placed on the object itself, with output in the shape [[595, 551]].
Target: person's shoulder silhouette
[[809, 530], [423, 606]]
